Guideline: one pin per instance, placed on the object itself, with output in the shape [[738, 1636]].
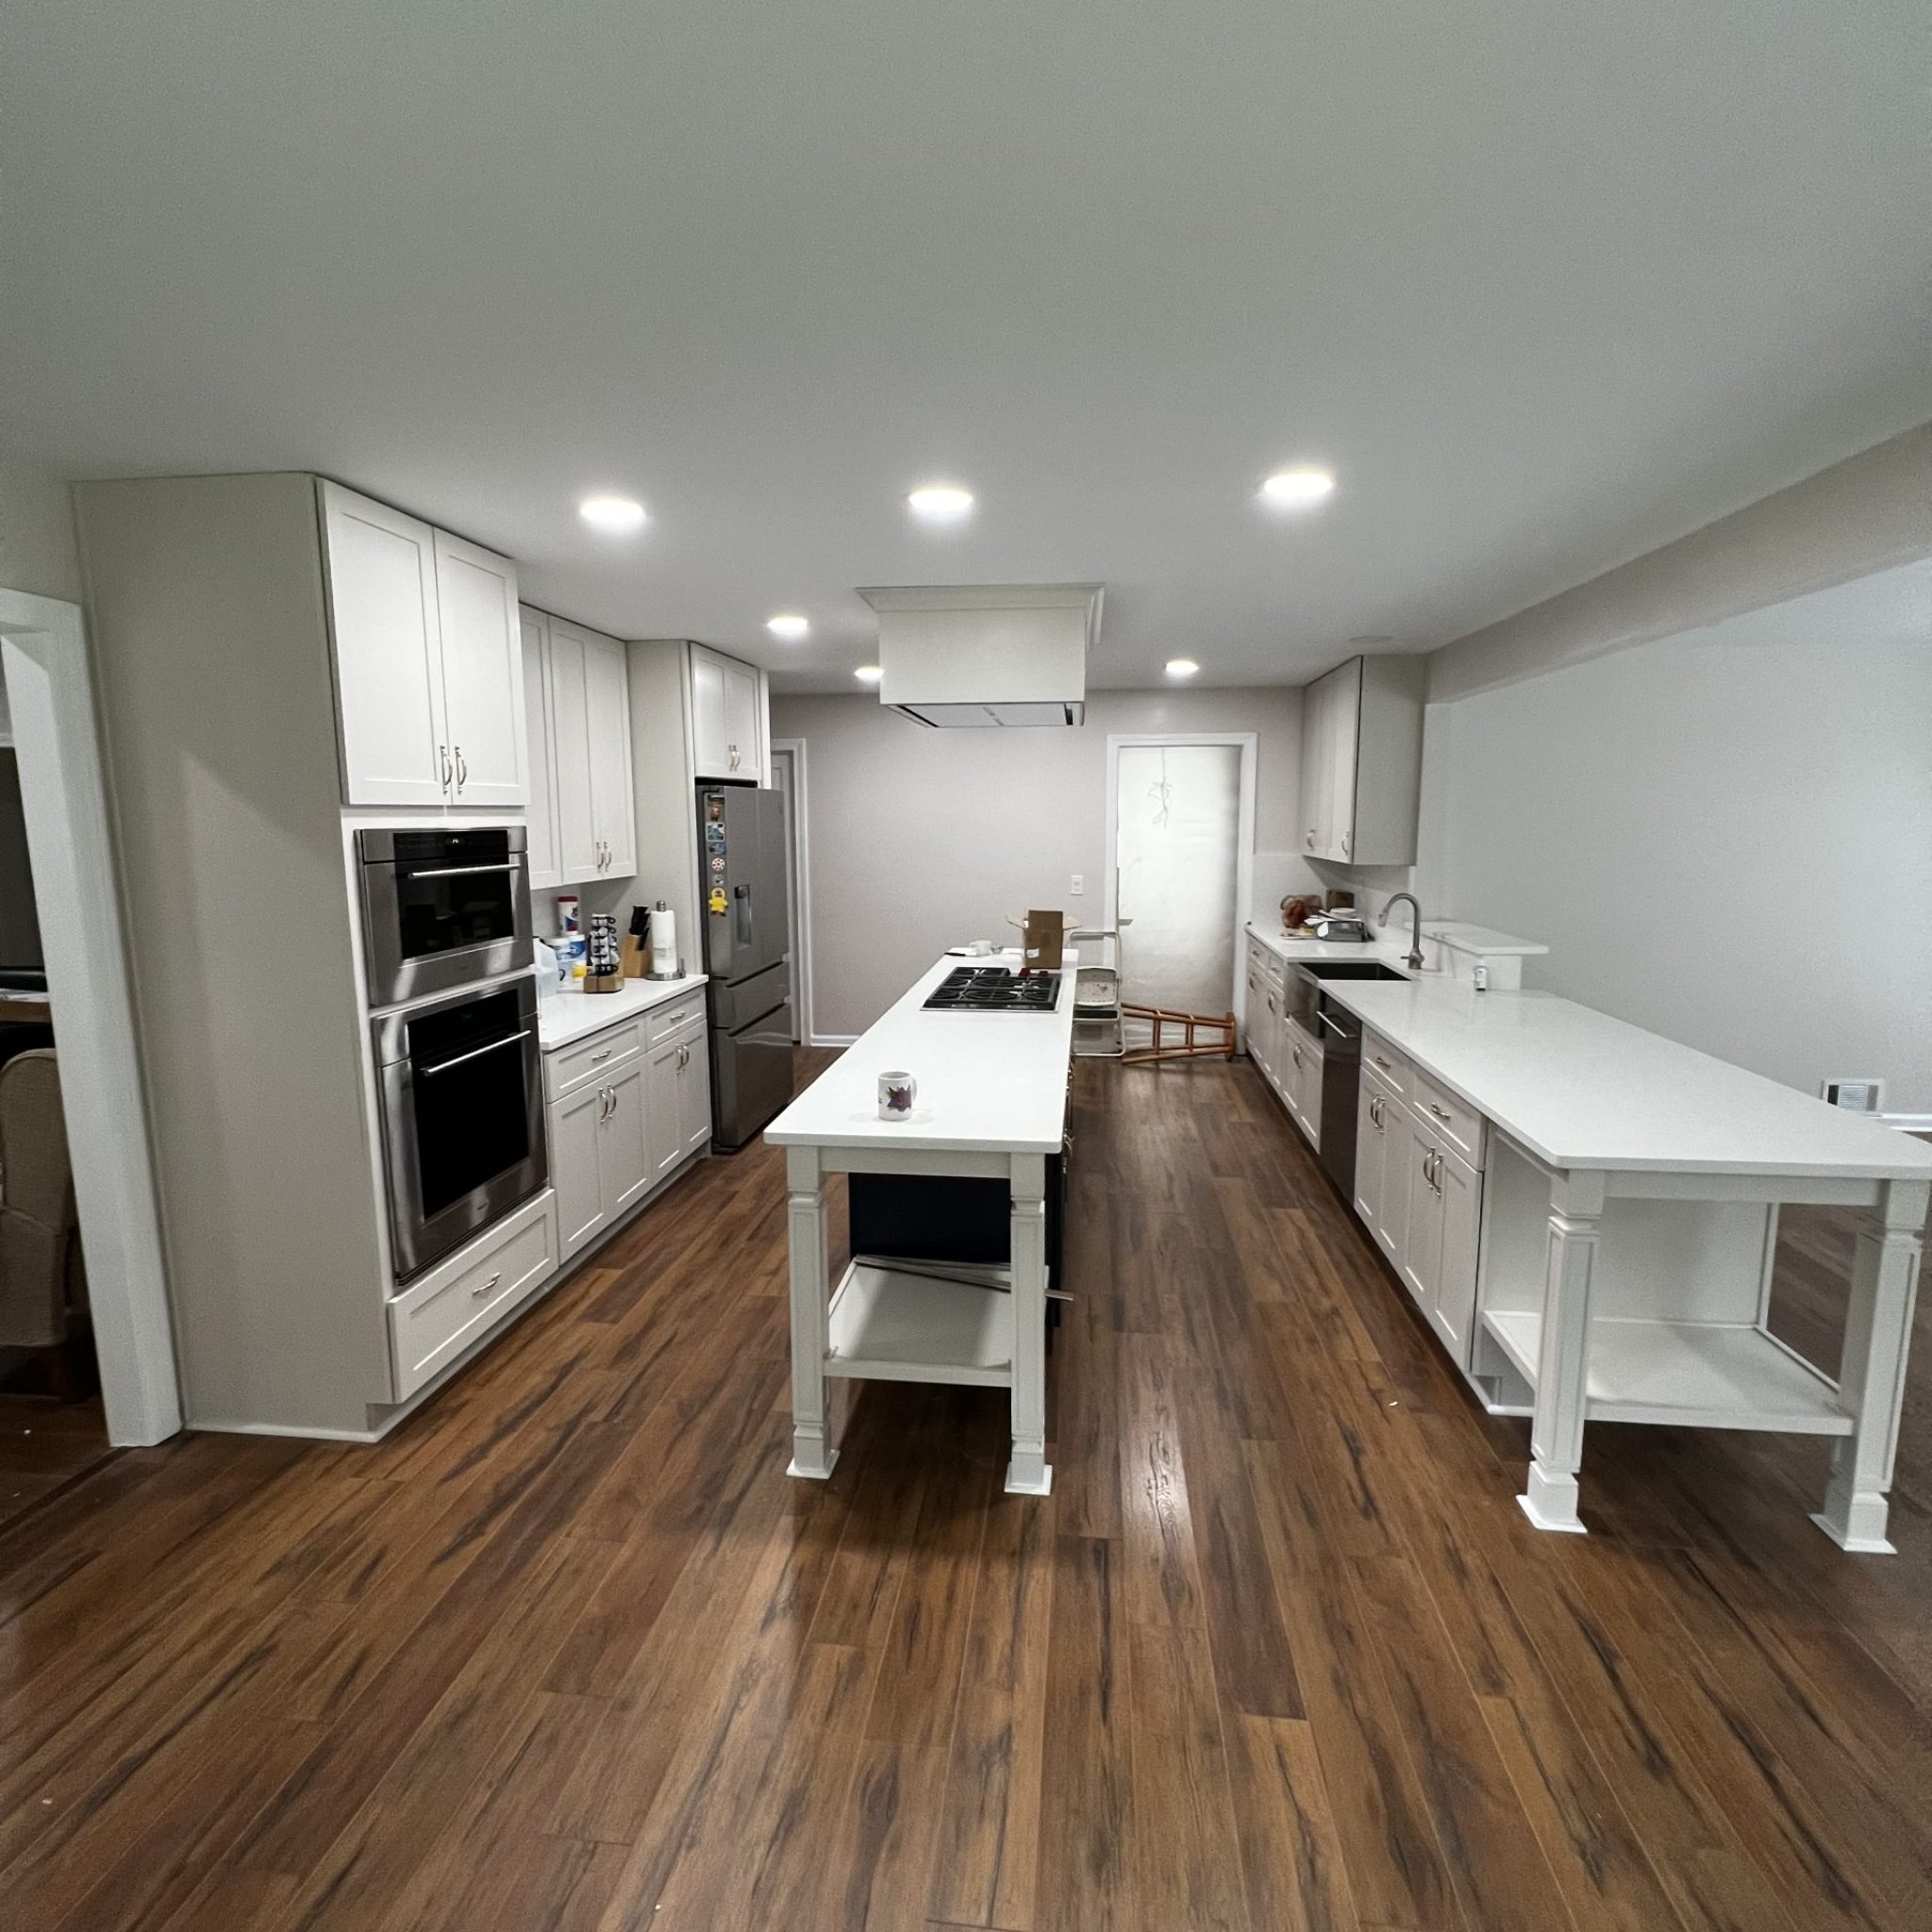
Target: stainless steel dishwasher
[[1341, 1034]]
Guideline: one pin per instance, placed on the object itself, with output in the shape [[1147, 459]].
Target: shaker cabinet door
[[545, 866], [482, 673], [606, 696], [694, 1100], [626, 1160], [577, 849], [575, 1172], [385, 634], [1453, 1310]]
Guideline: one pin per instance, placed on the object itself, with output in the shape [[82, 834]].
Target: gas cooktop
[[995, 989]]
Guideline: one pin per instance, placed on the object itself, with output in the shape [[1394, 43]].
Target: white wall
[[1724, 836], [37, 550], [920, 839]]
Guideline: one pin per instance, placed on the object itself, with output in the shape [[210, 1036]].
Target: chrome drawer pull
[[1438, 1113], [478, 1293]]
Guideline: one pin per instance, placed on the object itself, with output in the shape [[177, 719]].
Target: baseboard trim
[[1909, 1122]]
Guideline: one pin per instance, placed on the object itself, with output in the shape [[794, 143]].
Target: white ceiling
[[1545, 285]]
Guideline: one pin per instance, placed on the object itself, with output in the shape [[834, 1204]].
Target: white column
[[1027, 1474], [1555, 1433], [811, 1454], [1871, 1370]]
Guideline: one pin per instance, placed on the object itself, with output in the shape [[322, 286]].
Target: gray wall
[[919, 839]]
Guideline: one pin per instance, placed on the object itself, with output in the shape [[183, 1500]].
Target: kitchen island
[[991, 1103], [1587, 1212]]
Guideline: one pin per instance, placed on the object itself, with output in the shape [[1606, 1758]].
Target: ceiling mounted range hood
[[986, 653]]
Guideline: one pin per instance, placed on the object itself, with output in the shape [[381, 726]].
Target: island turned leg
[[1555, 1433], [810, 1453], [1871, 1370], [1027, 1474]]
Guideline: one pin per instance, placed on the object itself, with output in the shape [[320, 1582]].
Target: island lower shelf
[[1697, 1375], [890, 1323]]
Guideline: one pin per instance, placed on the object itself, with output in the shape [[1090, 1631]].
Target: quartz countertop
[[1390, 952], [571, 1013], [1580, 1090], [989, 1083]]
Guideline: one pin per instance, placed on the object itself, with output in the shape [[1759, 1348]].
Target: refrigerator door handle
[[740, 915]]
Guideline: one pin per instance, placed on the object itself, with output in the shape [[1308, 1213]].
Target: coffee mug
[[896, 1091]]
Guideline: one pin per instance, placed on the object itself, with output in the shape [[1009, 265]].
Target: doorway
[[1181, 835], [95, 1095], [788, 780]]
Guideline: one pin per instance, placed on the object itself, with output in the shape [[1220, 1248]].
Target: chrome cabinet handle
[[1345, 845], [1438, 1111], [448, 778], [462, 769], [475, 1052], [1381, 1062], [596, 1057], [478, 1293], [1310, 840]]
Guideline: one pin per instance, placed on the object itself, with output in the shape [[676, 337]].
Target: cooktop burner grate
[[995, 989]]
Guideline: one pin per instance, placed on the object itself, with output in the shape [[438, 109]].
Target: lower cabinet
[[678, 1101], [1301, 1080], [1422, 1202], [615, 1137]]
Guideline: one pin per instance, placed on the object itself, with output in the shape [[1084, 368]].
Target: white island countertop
[[1580, 1090], [989, 1083], [571, 1013]]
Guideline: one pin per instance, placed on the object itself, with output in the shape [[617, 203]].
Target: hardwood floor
[[570, 1650], [44, 1446]]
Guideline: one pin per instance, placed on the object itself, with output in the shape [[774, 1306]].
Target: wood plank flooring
[[44, 1444], [570, 1650]]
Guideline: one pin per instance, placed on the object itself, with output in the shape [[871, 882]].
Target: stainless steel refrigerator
[[747, 953]]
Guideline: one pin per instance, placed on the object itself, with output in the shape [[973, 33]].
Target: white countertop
[[1580, 1090], [1480, 940], [571, 1013], [1390, 952], [989, 1083]]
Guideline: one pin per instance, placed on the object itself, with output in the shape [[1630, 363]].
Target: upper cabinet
[[582, 735], [728, 718], [544, 863], [428, 670], [1361, 761]]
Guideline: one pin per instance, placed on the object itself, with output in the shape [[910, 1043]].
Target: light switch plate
[[1080, 884]]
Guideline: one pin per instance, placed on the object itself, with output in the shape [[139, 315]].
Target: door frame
[[71, 848], [799, 869], [1249, 742]]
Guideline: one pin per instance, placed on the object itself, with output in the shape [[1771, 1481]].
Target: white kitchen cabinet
[[727, 725], [588, 727], [678, 1100], [1381, 1134], [1415, 1149], [1453, 1313], [383, 628], [599, 1154], [543, 865], [428, 661], [1301, 1080], [482, 674], [1361, 761]]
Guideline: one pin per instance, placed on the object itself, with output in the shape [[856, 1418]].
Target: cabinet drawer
[[673, 1016], [1388, 1065], [1454, 1122], [570, 1067], [434, 1320]]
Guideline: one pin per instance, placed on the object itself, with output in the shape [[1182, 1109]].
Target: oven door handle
[[461, 872], [443, 1066]]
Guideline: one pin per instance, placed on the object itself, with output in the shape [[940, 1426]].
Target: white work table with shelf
[[991, 1103], [1588, 1214]]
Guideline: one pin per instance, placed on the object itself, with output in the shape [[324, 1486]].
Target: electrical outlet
[[1080, 884], [1854, 1096]]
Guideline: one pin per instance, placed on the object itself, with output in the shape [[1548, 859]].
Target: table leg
[[1555, 1433], [811, 1454], [1871, 1370], [1027, 1474]]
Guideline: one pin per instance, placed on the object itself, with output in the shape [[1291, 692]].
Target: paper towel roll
[[664, 942]]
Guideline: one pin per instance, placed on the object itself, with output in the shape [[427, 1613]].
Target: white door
[[545, 869], [482, 673], [575, 1123], [664, 1108], [569, 719], [1461, 1195], [694, 1094], [387, 653], [709, 732], [624, 1159], [1178, 834], [607, 700], [742, 753]]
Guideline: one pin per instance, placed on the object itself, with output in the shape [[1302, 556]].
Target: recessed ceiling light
[[613, 513], [868, 674], [941, 503], [1181, 667], [790, 627], [1298, 488]]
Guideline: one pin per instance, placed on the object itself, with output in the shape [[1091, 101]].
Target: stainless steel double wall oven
[[447, 948]]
